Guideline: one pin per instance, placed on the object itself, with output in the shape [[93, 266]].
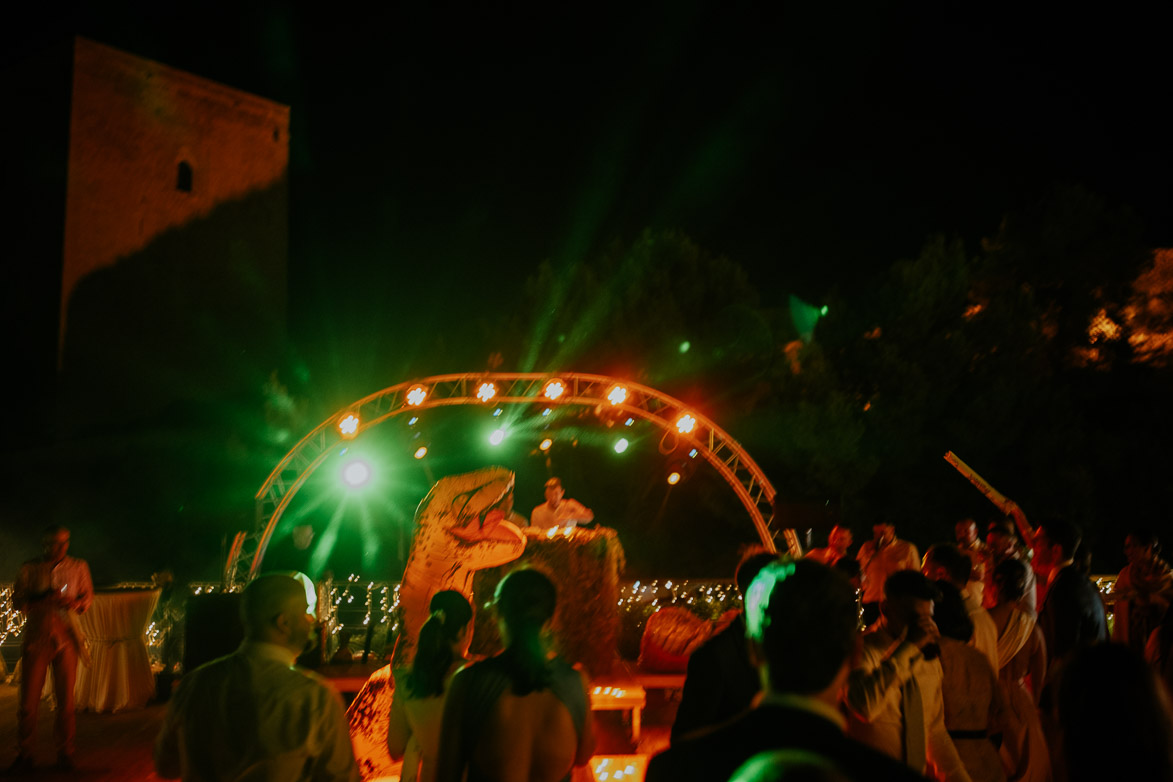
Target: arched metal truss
[[510, 388]]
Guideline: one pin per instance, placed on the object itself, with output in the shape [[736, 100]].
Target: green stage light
[[497, 437], [356, 473], [685, 346], [621, 445]]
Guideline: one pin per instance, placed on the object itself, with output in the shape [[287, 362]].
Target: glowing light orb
[[497, 437], [348, 426], [545, 445], [823, 311], [621, 445], [673, 478], [617, 395], [356, 473], [421, 452], [685, 346], [685, 423], [554, 389], [416, 396], [486, 391]]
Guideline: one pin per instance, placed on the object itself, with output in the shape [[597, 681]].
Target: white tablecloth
[[119, 675]]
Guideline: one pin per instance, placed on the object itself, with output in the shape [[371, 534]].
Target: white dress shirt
[[875, 700]]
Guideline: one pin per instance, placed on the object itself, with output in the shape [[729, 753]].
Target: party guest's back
[[252, 715]]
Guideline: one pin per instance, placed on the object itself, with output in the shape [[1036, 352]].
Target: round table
[[119, 674]]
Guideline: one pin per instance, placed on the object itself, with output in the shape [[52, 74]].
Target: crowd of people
[[983, 660]]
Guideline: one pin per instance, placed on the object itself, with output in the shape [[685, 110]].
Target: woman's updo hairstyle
[[451, 613]]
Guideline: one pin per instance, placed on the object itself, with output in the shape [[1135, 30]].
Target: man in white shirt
[[559, 510], [51, 591], [879, 558], [894, 694], [253, 715]]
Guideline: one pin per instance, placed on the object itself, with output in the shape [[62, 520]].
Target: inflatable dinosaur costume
[[458, 532]]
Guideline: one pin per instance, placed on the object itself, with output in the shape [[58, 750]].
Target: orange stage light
[[673, 478], [545, 446], [421, 452], [417, 395], [554, 389], [348, 426]]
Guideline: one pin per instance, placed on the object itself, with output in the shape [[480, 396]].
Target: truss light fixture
[[545, 444], [617, 395], [685, 423], [416, 396], [486, 391], [348, 425], [554, 389]]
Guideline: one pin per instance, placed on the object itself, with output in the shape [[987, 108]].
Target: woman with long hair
[[1022, 668], [418, 706], [522, 715]]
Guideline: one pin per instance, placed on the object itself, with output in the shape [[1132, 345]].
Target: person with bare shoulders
[[1022, 669], [521, 716], [413, 733]]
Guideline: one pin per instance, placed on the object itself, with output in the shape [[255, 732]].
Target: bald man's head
[[274, 609]]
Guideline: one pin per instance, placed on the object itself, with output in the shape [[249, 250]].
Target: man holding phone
[[51, 590]]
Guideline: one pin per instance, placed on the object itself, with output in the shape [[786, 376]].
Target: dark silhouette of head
[[1010, 579], [525, 602], [949, 613], [946, 561], [1055, 541], [802, 618], [752, 562]]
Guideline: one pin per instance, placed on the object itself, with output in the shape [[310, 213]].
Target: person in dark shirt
[[721, 681], [802, 622], [1072, 614]]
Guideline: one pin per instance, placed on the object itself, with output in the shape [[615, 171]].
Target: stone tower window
[[183, 179]]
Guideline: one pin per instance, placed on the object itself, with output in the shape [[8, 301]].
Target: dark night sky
[[814, 145], [439, 154]]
